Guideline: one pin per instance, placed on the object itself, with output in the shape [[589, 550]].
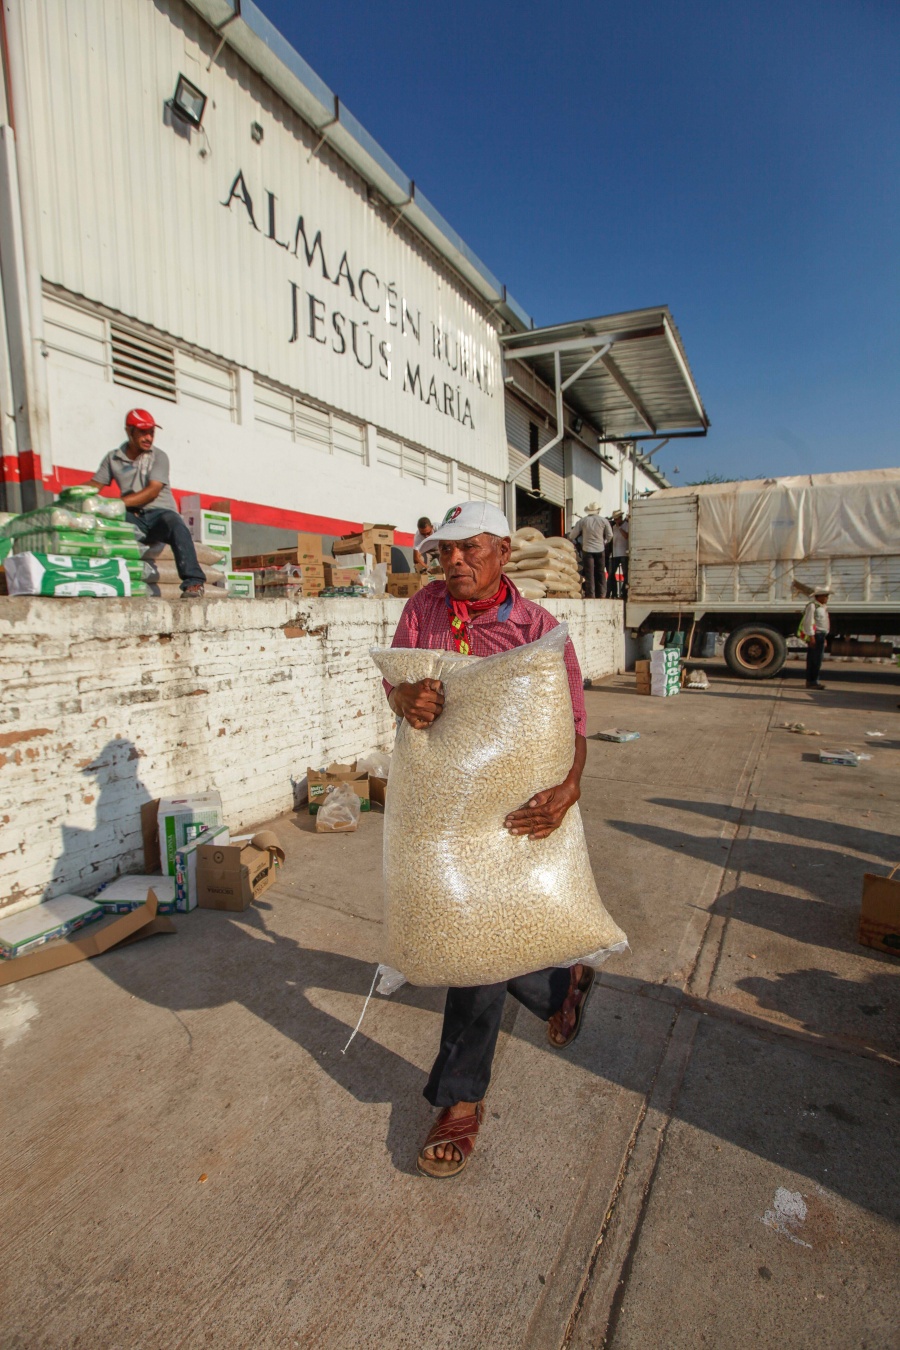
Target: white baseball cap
[[467, 520]]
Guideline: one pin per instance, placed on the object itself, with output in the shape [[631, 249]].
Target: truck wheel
[[755, 652]]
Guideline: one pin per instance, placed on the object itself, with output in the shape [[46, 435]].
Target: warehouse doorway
[[538, 513]]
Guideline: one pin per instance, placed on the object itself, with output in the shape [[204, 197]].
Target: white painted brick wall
[[109, 703]]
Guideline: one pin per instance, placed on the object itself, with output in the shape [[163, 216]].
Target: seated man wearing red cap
[[140, 470], [478, 611]]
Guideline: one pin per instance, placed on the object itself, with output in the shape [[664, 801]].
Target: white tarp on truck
[[828, 515]]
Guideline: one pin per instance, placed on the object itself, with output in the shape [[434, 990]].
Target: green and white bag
[[63, 575]]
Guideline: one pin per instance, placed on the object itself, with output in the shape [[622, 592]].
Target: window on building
[[307, 424]]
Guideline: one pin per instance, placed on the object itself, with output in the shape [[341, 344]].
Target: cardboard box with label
[[232, 876], [177, 820], [33, 927], [240, 585], [365, 541], [128, 893], [879, 916], [186, 866], [318, 780], [208, 525]]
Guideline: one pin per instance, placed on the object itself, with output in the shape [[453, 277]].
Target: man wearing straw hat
[[814, 627], [595, 533]]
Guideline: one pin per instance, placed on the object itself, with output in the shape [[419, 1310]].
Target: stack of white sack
[[161, 573], [544, 567]]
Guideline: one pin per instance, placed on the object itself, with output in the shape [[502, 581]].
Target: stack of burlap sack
[[161, 574], [543, 567]]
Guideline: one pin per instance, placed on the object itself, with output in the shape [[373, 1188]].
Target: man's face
[[427, 530], [141, 438], [821, 597], [472, 567]]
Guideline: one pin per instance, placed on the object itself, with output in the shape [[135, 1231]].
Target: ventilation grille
[[139, 363]]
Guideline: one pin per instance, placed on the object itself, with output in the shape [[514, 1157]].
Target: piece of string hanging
[[363, 1013]]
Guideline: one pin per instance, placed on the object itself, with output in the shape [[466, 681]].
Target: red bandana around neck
[[462, 610]]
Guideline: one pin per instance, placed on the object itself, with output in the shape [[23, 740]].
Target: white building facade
[[318, 345]]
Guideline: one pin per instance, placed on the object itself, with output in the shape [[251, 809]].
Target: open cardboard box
[[232, 876], [140, 923]]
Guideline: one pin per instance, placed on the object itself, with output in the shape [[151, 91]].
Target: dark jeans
[[166, 527], [814, 654], [462, 1070], [595, 576], [618, 589]]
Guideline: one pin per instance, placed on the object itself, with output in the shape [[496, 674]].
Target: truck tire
[[755, 652]]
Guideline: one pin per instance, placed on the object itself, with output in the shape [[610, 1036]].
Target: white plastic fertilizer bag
[[466, 902]]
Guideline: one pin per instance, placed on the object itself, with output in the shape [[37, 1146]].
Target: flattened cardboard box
[[232, 876], [140, 923]]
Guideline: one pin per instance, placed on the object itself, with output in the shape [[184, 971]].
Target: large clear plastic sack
[[466, 902]]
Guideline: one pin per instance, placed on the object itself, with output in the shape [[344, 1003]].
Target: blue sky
[[738, 162]]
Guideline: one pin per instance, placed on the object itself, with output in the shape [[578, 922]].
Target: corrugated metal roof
[[641, 387], [255, 38]]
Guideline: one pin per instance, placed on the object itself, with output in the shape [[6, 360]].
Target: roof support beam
[[520, 349], [631, 394], [686, 374]]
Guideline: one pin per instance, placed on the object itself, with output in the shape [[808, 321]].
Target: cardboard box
[[377, 790], [210, 525], [232, 876], [309, 548], [178, 821], [404, 584], [33, 927], [140, 923], [186, 866], [365, 541], [340, 574], [128, 893], [241, 585], [879, 916], [318, 780]]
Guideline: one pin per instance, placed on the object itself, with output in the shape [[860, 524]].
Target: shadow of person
[[88, 857], [310, 996]]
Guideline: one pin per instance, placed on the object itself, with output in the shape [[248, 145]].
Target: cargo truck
[[744, 558]]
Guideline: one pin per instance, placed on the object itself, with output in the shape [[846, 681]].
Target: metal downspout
[[35, 454]]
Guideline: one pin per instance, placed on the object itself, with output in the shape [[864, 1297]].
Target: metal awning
[[626, 374]]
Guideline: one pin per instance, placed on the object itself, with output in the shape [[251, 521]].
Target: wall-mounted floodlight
[[188, 101]]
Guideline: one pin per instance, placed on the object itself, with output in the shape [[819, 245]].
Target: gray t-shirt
[[133, 475]]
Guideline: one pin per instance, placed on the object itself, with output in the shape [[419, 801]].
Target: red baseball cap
[[141, 420]]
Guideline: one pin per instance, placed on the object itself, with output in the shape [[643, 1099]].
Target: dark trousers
[[814, 654], [595, 575], [462, 1070], [157, 526]]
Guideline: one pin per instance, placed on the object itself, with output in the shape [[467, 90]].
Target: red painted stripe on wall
[[252, 513]]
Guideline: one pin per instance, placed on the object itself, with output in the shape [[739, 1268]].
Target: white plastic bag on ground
[[466, 902]]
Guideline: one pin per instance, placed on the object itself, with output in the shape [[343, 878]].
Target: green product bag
[[62, 575], [76, 543]]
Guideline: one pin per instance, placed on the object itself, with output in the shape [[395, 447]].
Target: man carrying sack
[[477, 611]]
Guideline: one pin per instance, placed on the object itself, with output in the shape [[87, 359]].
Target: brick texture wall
[[107, 704]]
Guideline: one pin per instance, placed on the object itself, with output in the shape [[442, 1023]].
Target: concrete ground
[[190, 1160]]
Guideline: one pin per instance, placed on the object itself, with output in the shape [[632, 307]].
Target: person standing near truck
[[618, 589], [815, 627], [595, 534]]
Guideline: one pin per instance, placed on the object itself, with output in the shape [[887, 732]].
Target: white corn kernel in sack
[[466, 902]]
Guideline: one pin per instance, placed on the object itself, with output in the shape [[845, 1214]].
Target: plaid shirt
[[425, 622]]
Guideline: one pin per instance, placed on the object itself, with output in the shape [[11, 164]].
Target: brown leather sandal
[[461, 1133], [575, 1001]]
